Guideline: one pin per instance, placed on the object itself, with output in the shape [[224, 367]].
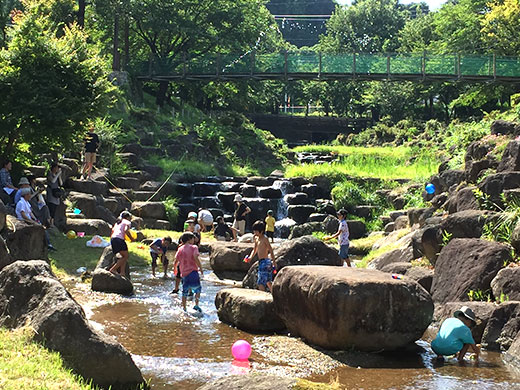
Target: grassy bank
[[29, 366], [386, 163]]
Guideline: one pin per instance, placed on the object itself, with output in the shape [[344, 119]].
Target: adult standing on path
[[241, 211], [54, 192], [91, 145]]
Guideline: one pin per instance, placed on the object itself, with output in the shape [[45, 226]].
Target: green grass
[[185, 166], [29, 366], [378, 162], [382, 250], [364, 245]]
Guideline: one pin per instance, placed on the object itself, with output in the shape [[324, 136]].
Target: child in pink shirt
[[117, 241], [187, 258]]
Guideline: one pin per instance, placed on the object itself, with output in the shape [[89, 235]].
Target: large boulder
[[467, 264], [88, 186], [399, 255], [507, 283], [106, 281], [5, 257], [503, 127], [149, 210], [306, 250], [495, 185], [26, 241], [205, 189], [466, 224], [297, 198], [515, 237], [248, 191], [89, 226], [502, 327], [283, 227], [512, 356], [269, 192], [511, 158], [249, 310], [33, 295], [465, 199], [227, 259], [87, 203], [3, 214], [344, 308], [422, 275], [260, 181], [305, 229], [300, 213], [107, 260]]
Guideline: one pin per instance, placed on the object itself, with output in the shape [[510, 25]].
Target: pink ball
[[241, 350]]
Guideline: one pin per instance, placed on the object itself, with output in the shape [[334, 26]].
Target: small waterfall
[[281, 208]]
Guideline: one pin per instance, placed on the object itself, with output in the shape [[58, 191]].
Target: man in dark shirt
[[91, 145], [241, 210], [222, 230]]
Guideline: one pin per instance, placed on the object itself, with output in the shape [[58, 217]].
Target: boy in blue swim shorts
[[263, 249], [187, 258]]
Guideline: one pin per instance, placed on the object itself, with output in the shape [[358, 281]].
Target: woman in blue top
[[455, 335]]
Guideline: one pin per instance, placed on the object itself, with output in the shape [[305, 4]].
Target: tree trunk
[[116, 60], [126, 43], [160, 98], [81, 13]]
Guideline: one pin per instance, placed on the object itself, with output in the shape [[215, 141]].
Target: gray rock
[[269, 192], [227, 259], [507, 282], [107, 260], [503, 127], [89, 187], [248, 191], [401, 222], [400, 255], [311, 190], [26, 241], [32, 294], [148, 210], [397, 268], [502, 327], [297, 198], [317, 217], [5, 257], [495, 185], [260, 181], [106, 281], [255, 381], [512, 356], [300, 213], [357, 229], [205, 189], [331, 225], [421, 275], [249, 310], [305, 229], [89, 226], [511, 158], [345, 308]]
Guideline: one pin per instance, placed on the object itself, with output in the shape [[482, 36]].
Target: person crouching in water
[[120, 230], [263, 249], [455, 335], [223, 230], [343, 235], [187, 258], [159, 247]]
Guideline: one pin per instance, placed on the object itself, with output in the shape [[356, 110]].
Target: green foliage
[[347, 194], [501, 228], [172, 211], [501, 27], [446, 237], [479, 295], [109, 136], [188, 167], [414, 199]]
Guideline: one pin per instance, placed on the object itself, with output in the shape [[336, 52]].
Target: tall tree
[[501, 27]]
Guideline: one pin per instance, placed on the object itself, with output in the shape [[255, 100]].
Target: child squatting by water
[[263, 249]]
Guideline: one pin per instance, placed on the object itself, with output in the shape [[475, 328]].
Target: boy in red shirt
[[188, 259]]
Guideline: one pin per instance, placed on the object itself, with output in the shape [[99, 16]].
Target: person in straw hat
[[455, 336]]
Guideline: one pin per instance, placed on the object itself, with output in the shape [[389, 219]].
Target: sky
[[433, 4]]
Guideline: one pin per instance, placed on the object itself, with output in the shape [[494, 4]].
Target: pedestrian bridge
[[325, 66]]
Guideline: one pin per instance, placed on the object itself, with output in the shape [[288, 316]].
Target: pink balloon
[[241, 350]]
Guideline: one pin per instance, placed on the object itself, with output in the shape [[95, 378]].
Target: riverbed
[[176, 350]]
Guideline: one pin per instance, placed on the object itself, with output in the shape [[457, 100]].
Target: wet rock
[[305, 229], [317, 217], [502, 327], [89, 226], [89, 187], [148, 210], [283, 227], [311, 190], [183, 191], [255, 381], [477, 263], [269, 192], [511, 157], [307, 250], [397, 268], [249, 310], [483, 311], [421, 275], [230, 186], [226, 198], [25, 241], [106, 281], [260, 181], [507, 283], [248, 191], [300, 213], [503, 127], [33, 294], [227, 259], [107, 260], [344, 308], [205, 189], [297, 198]]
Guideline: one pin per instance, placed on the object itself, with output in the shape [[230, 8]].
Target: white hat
[[466, 312], [192, 214], [238, 198]]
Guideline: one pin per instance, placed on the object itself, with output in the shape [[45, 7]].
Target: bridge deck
[[319, 66]]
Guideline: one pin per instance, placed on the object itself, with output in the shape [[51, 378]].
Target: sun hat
[[23, 181], [238, 198], [192, 214], [25, 191], [269, 212], [466, 312]]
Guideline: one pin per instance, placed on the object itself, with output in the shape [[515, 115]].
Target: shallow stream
[[178, 351]]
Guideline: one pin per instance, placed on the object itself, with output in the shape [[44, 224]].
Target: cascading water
[[281, 208]]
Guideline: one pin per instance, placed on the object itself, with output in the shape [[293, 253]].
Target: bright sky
[[433, 4]]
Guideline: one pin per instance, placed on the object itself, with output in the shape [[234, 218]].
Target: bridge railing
[[326, 65]]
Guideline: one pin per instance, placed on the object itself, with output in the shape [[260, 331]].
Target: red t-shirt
[[186, 256]]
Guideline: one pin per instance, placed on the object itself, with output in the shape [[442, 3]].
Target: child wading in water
[[263, 249], [269, 225], [343, 235], [158, 248], [188, 259], [117, 241]]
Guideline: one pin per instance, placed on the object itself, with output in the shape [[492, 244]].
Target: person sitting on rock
[[24, 213], [7, 189], [39, 207], [159, 247], [455, 335], [343, 235], [263, 249], [121, 230], [205, 219], [23, 183], [223, 230]]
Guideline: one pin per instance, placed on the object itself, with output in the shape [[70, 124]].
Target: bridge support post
[[218, 66], [183, 64], [252, 62], [319, 71], [354, 66], [423, 65], [457, 67], [388, 66], [285, 67], [494, 66]]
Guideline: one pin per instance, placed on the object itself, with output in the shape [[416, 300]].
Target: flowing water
[[176, 350]]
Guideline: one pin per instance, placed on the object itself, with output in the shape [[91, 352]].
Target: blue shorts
[[343, 251], [265, 272], [191, 282]]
